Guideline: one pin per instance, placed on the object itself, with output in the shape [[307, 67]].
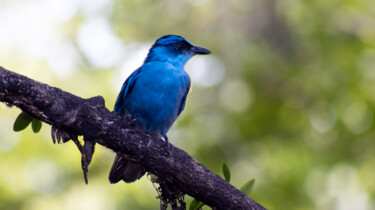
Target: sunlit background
[[287, 97]]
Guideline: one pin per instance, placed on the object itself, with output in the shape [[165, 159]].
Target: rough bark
[[90, 118]]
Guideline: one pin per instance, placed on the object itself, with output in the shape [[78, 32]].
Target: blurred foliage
[[247, 188], [287, 97]]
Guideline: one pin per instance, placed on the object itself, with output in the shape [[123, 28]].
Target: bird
[[155, 94]]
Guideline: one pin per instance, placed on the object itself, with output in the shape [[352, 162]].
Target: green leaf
[[248, 187], [22, 121], [154, 177], [195, 204], [36, 125], [226, 172]]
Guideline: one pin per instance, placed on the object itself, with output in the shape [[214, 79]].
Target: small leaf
[[154, 177], [36, 125], [248, 187], [22, 121], [226, 172], [195, 204]]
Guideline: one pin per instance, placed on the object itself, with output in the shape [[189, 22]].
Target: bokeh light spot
[[99, 44], [356, 115], [41, 175], [205, 71], [322, 117], [236, 95]]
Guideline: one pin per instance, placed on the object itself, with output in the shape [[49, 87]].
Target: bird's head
[[174, 49]]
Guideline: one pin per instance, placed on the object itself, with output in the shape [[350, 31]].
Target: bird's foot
[[167, 146]]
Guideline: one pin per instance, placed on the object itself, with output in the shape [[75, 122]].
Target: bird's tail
[[123, 169]]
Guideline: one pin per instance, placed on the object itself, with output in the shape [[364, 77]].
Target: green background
[[287, 97]]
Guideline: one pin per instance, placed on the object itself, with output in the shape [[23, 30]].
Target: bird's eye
[[180, 47]]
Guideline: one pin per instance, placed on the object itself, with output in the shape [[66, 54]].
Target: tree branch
[[90, 118]]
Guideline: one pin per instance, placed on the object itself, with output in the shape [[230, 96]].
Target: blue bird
[[156, 94]]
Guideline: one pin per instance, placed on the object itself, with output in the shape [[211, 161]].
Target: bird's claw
[[168, 146]]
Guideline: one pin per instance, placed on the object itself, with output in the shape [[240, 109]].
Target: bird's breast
[[156, 98]]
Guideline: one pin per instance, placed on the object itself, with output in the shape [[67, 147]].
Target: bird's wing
[[127, 87], [183, 101]]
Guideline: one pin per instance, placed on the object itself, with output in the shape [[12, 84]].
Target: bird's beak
[[200, 50]]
